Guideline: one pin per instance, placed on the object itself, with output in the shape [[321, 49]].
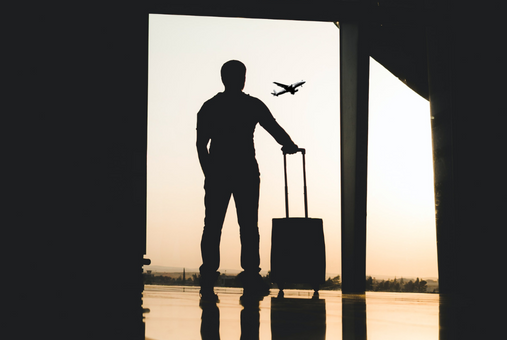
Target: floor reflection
[[250, 320], [295, 319], [470, 317], [176, 312], [291, 318], [210, 321], [354, 317]]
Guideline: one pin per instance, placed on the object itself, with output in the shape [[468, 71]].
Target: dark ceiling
[[397, 28]]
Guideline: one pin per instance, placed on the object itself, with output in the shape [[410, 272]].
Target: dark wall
[[109, 67], [469, 143], [79, 132]]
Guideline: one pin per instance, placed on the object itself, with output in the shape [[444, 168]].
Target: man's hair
[[233, 74]]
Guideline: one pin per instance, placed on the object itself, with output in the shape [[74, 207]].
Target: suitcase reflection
[[298, 319]]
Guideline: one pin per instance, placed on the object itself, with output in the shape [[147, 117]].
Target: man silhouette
[[228, 120]]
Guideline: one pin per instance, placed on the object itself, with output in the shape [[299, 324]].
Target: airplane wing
[[276, 94], [285, 87], [299, 83]]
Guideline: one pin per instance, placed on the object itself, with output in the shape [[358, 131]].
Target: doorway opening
[[185, 56]]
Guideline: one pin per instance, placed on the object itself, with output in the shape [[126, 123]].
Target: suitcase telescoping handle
[[303, 152]]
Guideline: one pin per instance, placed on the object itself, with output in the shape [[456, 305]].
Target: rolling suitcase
[[297, 244]]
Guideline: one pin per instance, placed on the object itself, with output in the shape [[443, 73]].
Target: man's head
[[233, 75]]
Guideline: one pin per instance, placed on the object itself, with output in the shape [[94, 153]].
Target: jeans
[[218, 191]]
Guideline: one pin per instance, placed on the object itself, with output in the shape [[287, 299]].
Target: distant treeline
[[401, 285], [395, 285], [153, 279]]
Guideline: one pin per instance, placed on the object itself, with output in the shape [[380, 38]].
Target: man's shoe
[[254, 285], [207, 282]]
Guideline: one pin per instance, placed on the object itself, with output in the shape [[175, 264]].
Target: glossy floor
[[175, 313]]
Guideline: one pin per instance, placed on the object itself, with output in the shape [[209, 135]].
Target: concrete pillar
[[354, 84]]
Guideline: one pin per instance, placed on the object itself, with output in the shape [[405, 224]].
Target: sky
[[185, 57]]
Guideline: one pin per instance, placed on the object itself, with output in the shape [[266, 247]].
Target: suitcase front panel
[[298, 250]]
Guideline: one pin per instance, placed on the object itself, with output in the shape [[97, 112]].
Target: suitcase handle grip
[[303, 152]]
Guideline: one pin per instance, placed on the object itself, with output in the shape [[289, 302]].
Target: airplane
[[287, 88]]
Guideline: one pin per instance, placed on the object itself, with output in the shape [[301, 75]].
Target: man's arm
[[269, 123]]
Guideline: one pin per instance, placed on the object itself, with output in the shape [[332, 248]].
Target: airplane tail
[[274, 93]]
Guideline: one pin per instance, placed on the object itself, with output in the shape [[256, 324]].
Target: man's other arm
[[203, 138], [202, 151]]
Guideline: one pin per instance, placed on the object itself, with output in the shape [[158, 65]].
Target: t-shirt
[[229, 120]]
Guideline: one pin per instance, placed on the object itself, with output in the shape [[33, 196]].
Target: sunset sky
[[185, 56]]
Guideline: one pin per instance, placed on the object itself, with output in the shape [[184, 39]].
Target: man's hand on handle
[[290, 149]]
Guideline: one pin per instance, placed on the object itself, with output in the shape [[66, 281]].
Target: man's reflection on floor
[[250, 319], [354, 317], [210, 321], [298, 319]]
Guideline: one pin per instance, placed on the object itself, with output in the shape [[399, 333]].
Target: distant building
[[431, 286]]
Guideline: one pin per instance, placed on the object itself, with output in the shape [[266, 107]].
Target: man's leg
[[216, 200], [246, 197]]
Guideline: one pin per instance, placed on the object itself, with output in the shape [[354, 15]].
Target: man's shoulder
[[252, 98], [222, 98], [213, 99], [210, 103], [255, 102]]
